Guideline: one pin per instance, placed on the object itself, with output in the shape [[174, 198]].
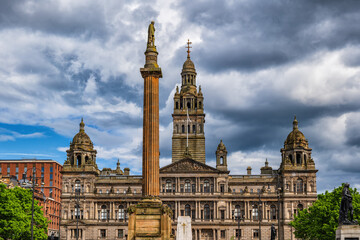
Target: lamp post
[[77, 207], [239, 218], [33, 181], [278, 212], [260, 215]]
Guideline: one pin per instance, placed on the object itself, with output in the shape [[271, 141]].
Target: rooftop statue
[[346, 208]]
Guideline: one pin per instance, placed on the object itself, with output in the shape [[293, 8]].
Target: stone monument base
[[348, 232], [149, 220]]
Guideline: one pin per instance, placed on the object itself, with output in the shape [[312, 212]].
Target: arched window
[[305, 159], [188, 105], [206, 186], [181, 104], [201, 128], [77, 186], [187, 187], [207, 212], [272, 212], [291, 158], [177, 105], [255, 213], [298, 159], [194, 129], [168, 185], [188, 128], [221, 160], [237, 212], [104, 212], [176, 128], [299, 185], [121, 212], [78, 160], [187, 210], [200, 104], [182, 128], [300, 207]]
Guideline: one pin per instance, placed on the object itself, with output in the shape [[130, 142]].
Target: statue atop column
[[151, 35], [346, 207]]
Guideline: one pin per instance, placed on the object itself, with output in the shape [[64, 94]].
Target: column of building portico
[[96, 212], [230, 210]]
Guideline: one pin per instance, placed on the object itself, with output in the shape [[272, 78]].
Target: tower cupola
[[221, 157]]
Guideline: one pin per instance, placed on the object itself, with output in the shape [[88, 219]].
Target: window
[[222, 214], [0, 168], [187, 186], [168, 186], [51, 176], [188, 128], [51, 183], [222, 188], [182, 128], [121, 212], [103, 233], [100, 191], [298, 159], [299, 185], [207, 212], [222, 234], [42, 169], [255, 213], [181, 187], [77, 185], [17, 169], [221, 160], [50, 193], [120, 233], [187, 210], [177, 105], [238, 233], [8, 170], [206, 186], [194, 129], [300, 207], [272, 212], [104, 215], [193, 188], [77, 213], [256, 233], [51, 169], [42, 177]]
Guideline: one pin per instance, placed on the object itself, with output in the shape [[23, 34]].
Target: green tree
[[15, 215], [319, 222]]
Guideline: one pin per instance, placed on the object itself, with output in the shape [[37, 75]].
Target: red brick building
[[50, 173]]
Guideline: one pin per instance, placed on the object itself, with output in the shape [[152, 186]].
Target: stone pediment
[[188, 165]]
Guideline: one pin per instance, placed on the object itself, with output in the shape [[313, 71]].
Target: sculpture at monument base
[[346, 208]]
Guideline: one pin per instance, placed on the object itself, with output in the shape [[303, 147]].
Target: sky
[[259, 63]]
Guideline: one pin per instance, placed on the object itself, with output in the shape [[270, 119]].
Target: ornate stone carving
[[188, 166]]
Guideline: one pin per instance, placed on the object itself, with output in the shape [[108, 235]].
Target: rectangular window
[[194, 188], [181, 187], [51, 169], [42, 169], [120, 233], [103, 233], [238, 232], [182, 213], [201, 188], [51, 183], [8, 170], [42, 177], [222, 188], [256, 233], [50, 193], [174, 188], [17, 169], [222, 233], [51, 176], [25, 169], [222, 213], [193, 214]]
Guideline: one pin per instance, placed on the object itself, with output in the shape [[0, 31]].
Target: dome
[[188, 65], [296, 138], [82, 139]]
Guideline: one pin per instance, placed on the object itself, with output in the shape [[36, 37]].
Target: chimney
[[248, 170]]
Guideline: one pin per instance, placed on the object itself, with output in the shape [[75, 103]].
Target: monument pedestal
[[149, 220], [348, 232]]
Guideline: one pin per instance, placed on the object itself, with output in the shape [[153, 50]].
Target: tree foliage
[[15, 215], [319, 222]]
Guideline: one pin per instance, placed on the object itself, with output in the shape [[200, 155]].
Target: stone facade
[[213, 198]]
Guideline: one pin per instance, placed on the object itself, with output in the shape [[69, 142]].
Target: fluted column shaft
[[151, 135]]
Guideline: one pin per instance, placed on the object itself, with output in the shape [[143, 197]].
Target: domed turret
[[81, 140], [296, 152], [81, 150], [296, 138]]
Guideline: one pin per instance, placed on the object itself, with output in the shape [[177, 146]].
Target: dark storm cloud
[[250, 35]]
